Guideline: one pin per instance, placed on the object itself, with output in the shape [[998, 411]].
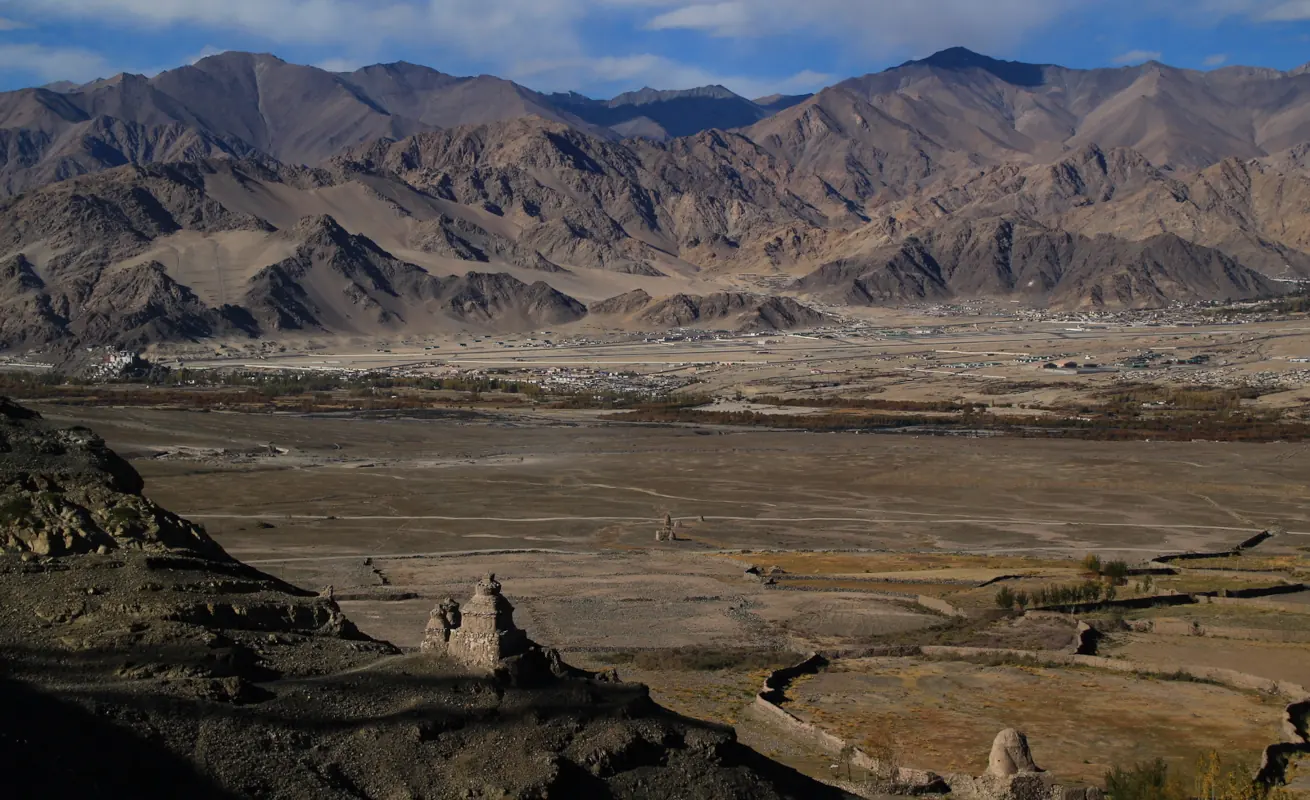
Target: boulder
[[1010, 755]]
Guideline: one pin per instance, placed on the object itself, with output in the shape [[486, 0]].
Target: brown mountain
[[662, 115], [997, 258], [957, 176], [239, 104], [175, 252], [1255, 210], [872, 138], [735, 311]]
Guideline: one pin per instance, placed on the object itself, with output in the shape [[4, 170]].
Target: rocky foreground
[[137, 659]]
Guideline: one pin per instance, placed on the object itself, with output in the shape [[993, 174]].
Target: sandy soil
[[1079, 722], [1284, 662], [393, 485]]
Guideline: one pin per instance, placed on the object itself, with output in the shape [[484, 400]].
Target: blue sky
[[602, 47]]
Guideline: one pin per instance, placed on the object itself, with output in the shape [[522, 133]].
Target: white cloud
[[1215, 60], [1291, 11], [50, 64], [553, 40], [721, 18], [472, 26], [867, 27], [1137, 56], [1210, 11], [12, 24], [534, 28], [205, 52], [340, 64]]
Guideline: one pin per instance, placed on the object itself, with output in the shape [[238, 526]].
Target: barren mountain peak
[[239, 56], [961, 58]]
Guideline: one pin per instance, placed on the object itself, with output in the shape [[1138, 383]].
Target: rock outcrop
[[63, 492]]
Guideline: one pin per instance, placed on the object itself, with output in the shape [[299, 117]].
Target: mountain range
[[243, 195]]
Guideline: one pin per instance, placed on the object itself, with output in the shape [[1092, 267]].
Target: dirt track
[[399, 486]]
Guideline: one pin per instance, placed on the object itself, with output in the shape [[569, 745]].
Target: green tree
[[1116, 571]]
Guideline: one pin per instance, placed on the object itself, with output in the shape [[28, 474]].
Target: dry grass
[[944, 715], [1226, 615], [702, 659], [1292, 563], [883, 564], [880, 587], [1194, 582]]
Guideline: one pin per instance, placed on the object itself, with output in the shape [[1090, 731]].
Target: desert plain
[[395, 510]]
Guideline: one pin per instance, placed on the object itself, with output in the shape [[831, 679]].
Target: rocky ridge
[[734, 311]]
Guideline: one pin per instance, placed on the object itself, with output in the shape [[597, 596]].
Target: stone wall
[[1226, 677], [1182, 627]]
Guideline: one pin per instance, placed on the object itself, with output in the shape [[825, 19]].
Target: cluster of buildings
[[1229, 378]]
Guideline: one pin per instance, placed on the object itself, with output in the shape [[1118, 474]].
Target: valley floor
[[396, 511]]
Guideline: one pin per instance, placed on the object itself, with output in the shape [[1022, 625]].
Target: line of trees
[[1055, 595]]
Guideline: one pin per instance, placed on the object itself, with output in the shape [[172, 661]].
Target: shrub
[[1116, 571], [1085, 592], [1092, 563], [1005, 598], [1153, 780], [1146, 781]]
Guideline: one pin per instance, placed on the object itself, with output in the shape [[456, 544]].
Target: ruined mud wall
[[1182, 627], [1225, 677], [1279, 756], [767, 706], [1273, 769]]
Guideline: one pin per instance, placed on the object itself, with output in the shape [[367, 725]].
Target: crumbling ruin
[[481, 634], [668, 530]]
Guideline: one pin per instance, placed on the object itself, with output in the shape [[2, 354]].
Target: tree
[[848, 755], [1092, 563], [1116, 571]]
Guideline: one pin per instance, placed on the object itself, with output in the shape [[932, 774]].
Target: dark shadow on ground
[[50, 748]]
